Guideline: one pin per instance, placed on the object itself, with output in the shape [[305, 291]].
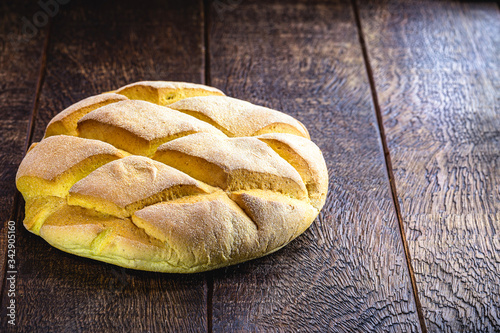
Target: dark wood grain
[[437, 68], [20, 61], [96, 47], [348, 272]]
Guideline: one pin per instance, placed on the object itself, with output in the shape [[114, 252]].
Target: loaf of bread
[[171, 177]]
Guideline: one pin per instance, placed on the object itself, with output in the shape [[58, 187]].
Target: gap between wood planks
[[16, 205], [34, 111], [388, 164], [209, 279]]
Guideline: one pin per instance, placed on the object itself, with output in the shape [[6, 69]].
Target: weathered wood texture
[[348, 272], [96, 47], [20, 57], [437, 73]]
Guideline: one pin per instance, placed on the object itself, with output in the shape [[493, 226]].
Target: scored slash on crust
[[207, 182]]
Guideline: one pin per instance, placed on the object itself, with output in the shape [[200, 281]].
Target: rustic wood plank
[[20, 61], [348, 272], [96, 47], [437, 68]]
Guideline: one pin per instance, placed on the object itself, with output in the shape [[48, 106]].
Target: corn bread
[[171, 177]]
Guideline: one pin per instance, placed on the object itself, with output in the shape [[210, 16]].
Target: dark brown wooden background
[[403, 98]]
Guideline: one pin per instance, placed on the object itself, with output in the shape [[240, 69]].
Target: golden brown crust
[[86, 233], [56, 163], [239, 118], [279, 218], [165, 93], [123, 186], [228, 181], [138, 126], [200, 230], [68, 151], [65, 121], [232, 163], [306, 158]]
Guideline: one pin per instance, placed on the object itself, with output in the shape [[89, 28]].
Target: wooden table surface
[[403, 98]]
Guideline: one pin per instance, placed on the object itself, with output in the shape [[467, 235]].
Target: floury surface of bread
[[171, 177]]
